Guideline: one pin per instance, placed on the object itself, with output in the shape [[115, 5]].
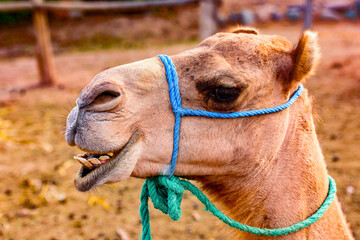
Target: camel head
[[124, 121]]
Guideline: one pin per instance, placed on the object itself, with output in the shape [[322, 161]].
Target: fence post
[[308, 15], [207, 18], [44, 54]]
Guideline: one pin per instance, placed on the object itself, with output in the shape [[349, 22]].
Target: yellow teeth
[[84, 162], [104, 158], [91, 162], [94, 161]]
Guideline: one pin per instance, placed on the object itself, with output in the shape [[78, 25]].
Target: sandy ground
[[37, 196]]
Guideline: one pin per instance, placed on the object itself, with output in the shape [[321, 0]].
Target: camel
[[266, 171]]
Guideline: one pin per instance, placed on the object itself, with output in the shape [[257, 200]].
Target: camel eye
[[223, 94]]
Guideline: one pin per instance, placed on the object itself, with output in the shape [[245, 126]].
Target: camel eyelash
[[225, 95], [221, 94], [218, 92]]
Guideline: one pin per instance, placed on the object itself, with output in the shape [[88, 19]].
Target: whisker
[[70, 103]]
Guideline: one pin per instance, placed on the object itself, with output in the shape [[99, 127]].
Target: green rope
[[166, 194]]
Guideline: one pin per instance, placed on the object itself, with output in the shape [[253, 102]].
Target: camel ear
[[305, 56], [245, 30]]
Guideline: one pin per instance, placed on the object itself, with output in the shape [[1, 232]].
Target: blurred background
[[50, 50]]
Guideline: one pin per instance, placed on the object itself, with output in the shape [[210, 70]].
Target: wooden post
[[308, 15], [44, 52], [207, 18]]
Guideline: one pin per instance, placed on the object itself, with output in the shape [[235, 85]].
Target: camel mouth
[[98, 167], [91, 161]]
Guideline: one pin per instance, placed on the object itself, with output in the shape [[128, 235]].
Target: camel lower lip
[[86, 179]]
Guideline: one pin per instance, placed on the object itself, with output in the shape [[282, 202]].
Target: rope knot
[[166, 194]]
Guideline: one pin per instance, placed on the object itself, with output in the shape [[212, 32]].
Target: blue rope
[[166, 191], [179, 111]]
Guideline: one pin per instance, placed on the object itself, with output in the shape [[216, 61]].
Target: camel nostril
[[71, 125], [106, 100], [104, 97]]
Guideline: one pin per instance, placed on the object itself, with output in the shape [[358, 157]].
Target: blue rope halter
[[179, 111], [166, 191]]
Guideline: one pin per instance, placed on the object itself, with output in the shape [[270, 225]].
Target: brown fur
[[265, 171]]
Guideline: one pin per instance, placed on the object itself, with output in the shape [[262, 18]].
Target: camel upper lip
[[87, 179]]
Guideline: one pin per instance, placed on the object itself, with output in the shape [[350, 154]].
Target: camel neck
[[289, 190]]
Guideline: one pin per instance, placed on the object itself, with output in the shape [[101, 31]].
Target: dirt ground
[[38, 199]]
